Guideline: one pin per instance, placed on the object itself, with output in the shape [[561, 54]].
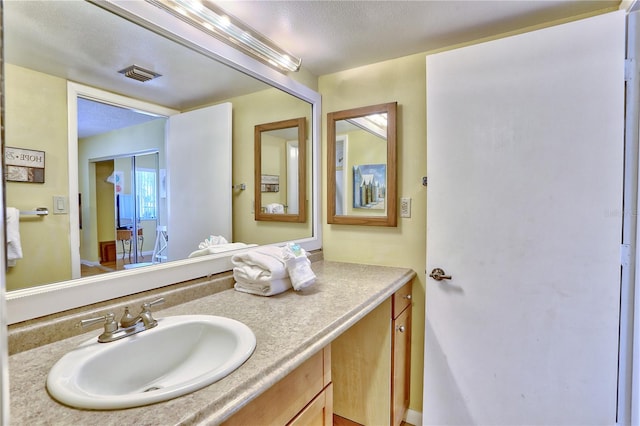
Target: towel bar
[[39, 211]]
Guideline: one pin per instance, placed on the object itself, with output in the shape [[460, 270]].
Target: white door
[[292, 177], [525, 156], [199, 176]]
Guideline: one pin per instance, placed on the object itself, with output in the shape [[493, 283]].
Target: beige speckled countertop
[[289, 329]]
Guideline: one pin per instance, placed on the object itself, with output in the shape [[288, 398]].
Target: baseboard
[[414, 417], [89, 263]]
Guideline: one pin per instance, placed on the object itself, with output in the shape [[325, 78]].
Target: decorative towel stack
[[270, 270], [217, 244]]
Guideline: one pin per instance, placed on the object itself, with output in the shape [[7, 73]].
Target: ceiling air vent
[[137, 73]]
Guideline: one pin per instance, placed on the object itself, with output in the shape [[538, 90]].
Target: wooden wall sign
[[23, 165]]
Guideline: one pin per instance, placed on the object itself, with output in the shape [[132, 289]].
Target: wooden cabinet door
[[401, 359]]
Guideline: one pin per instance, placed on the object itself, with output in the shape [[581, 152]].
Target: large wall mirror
[[280, 176], [361, 169], [119, 176]]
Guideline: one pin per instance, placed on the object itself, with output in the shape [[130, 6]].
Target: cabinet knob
[[401, 328], [407, 296]]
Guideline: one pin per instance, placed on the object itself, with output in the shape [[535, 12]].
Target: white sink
[[178, 356]]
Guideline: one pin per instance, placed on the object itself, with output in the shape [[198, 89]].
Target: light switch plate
[[59, 204], [405, 207]]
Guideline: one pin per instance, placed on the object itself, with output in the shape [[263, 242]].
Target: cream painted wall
[[36, 118], [402, 80], [249, 111]]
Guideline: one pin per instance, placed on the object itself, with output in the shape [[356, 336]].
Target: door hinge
[[625, 255], [629, 69], [424, 181]]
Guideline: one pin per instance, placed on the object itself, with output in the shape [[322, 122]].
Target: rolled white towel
[[300, 272], [264, 288], [264, 263], [298, 267]]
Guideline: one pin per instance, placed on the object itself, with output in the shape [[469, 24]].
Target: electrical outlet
[[405, 207]]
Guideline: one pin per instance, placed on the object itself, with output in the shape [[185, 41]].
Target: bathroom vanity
[[295, 332], [371, 364]]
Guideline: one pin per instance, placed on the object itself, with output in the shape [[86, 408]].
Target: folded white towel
[[275, 208], [213, 240], [265, 288], [261, 264], [298, 266], [220, 248], [14, 247]]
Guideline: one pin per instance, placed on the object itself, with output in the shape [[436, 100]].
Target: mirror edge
[[391, 219], [22, 305], [301, 216]]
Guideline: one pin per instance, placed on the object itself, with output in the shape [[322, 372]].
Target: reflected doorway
[[120, 162], [127, 209]]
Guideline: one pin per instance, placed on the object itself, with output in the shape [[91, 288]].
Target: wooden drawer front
[[401, 299], [280, 403], [319, 412]]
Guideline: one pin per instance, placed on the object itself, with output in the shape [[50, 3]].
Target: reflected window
[[147, 198]]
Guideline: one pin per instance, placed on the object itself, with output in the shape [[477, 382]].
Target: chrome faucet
[[129, 324]]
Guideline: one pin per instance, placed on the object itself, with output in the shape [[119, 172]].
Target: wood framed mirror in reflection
[[47, 72], [280, 184], [361, 166]]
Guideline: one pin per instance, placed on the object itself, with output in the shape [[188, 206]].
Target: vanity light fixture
[[208, 17], [138, 73]]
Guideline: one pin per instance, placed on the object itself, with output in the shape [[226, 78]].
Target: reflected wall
[[249, 111], [36, 117]]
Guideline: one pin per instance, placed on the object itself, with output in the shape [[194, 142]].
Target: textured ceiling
[[332, 36], [78, 41]]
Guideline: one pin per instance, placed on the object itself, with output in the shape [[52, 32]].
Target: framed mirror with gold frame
[[361, 166]]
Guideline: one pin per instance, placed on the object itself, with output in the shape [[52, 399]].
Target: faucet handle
[[107, 319], [110, 326], [146, 315], [146, 306]]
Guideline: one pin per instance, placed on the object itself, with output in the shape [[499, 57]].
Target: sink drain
[[152, 388]]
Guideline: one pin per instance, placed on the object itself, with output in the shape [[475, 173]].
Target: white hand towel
[[277, 208], [14, 247], [267, 288], [298, 266], [220, 248], [300, 272], [260, 264]]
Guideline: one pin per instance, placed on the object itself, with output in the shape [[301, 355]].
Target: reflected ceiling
[[68, 40]]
